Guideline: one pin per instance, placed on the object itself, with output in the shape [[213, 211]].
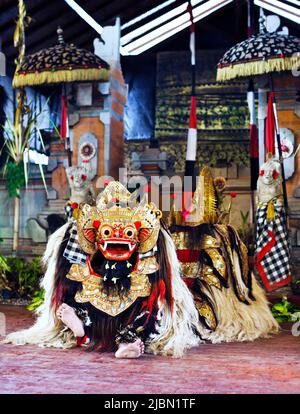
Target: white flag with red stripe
[[193, 45], [192, 133], [254, 164]]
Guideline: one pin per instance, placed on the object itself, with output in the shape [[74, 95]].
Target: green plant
[[285, 311], [24, 276], [16, 142], [15, 178], [247, 233], [37, 300], [4, 268]]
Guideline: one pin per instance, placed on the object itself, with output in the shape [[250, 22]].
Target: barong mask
[[120, 237], [117, 226]]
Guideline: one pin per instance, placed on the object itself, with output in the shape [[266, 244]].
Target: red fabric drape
[[270, 126], [64, 118], [193, 113], [253, 141]]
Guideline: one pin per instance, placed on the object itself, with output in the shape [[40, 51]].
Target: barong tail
[[214, 265]]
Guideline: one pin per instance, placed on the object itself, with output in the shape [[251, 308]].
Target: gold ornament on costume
[[149, 216], [86, 215], [115, 191], [211, 246], [204, 201], [94, 292], [206, 311], [203, 208]]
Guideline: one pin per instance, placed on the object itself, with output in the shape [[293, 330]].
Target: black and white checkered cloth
[[73, 252], [273, 265]]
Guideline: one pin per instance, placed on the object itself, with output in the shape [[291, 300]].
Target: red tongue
[[119, 249]]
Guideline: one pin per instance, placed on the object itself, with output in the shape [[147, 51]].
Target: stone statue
[[269, 182], [82, 190]]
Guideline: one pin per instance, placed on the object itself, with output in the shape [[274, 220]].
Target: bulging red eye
[[106, 231], [84, 177], [262, 172], [275, 174], [129, 232], [72, 177]]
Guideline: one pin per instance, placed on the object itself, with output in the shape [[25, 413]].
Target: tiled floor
[[265, 366]]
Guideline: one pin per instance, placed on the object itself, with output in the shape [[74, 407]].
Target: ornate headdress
[[203, 207], [118, 219]]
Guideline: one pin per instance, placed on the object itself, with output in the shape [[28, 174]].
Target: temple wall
[[102, 121]]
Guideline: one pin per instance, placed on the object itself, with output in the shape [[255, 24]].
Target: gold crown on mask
[[115, 204], [203, 208], [115, 192]]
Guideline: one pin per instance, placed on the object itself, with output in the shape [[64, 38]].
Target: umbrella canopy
[[259, 54], [58, 64]]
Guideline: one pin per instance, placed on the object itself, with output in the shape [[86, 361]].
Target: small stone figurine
[[269, 182], [82, 190]]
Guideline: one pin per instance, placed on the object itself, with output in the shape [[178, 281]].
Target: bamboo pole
[[19, 41], [16, 224]]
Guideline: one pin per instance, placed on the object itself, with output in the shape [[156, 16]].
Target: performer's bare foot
[[68, 316], [131, 350]]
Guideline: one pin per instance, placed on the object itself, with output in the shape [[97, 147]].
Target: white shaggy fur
[[176, 329], [47, 330], [238, 321], [176, 332]]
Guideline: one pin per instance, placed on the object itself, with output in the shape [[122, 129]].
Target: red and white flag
[[191, 149], [192, 132], [270, 126], [64, 121], [254, 162]]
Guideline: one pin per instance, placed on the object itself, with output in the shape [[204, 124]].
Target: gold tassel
[[60, 76], [257, 67], [270, 211], [76, 212]]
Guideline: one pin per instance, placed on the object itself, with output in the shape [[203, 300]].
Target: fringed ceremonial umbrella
[[258, 55], [62, 63], [261, 54], [266, 53]]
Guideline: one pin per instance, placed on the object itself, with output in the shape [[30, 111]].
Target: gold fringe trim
[[258, 67], [60, 76], [270, 211]]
